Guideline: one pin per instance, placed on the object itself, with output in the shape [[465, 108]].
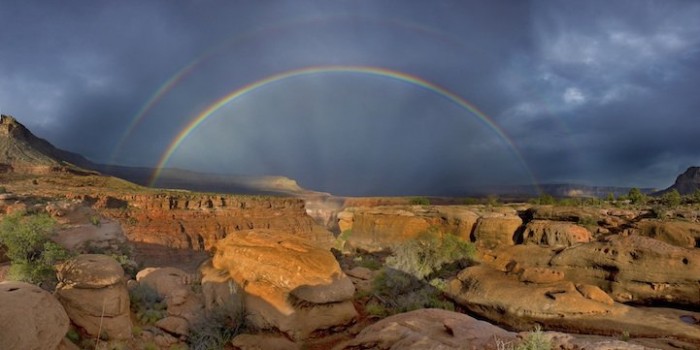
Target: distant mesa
[[686, 183]]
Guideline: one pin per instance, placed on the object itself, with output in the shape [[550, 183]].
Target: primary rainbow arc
[[374, 71]]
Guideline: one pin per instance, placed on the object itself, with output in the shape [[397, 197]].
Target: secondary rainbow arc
[[368, 70]]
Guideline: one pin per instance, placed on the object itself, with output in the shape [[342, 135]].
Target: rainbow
[[373, 71], [185, 71]]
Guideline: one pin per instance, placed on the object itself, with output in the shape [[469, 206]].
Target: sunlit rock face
[[429, 329], [635, 269], [506, 298], [31, 317], [381, 227], [198, 221], [288, 283]]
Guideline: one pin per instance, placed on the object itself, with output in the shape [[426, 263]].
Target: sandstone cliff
[[198, 221]]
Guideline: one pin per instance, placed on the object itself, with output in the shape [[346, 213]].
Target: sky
[[436, 97]]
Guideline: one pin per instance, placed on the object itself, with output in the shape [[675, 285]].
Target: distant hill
[[23, 152], [556, 190], [686, 183]]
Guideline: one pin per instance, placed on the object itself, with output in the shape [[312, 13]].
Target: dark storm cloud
[[597, 92]]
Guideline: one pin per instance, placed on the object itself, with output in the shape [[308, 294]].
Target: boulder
[[678, 233], [380, 227], [555, 233], [31, 318], [90, 271], [635, 269], [496, 230], [184, 307], [561, 306], [288, 283], [92, 288], [263, 342], [429, 329], [540, 275]]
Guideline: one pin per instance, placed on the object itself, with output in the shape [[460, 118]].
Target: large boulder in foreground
[[429, 329], [288, 283], [30, 317], [635, 269], [563, 306], [92, 289]]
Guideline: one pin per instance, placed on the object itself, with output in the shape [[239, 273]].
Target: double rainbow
[[371, 71]]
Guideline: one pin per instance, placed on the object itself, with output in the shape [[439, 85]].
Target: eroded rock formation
[[92, 289], [288, 283]]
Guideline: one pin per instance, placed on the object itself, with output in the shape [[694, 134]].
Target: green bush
[[429, 253], [544, 199], [396, 292], [32, 253], [671, 198], [419, 201], [637, 197], [148, 306], [535, 341], [215, 329], [3, 190]]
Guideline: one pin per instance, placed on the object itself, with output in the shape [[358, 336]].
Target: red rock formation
[[198, 221]]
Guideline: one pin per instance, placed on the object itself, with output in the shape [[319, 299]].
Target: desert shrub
[[493, 201], [419, 201], [122, 252], [73, 335], [535, 340], [95, 220], [544, 199], [671, 198], [587, 221], [32, 253], [216, 328], [370, 262], [431, 252], [3, 190], [471, 201], [396, 292], [636, 196], [695, 197], [148, 306]]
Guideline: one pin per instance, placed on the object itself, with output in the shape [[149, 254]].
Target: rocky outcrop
[[92, 289], [555, 233], [184, 307], [686, 183], [198, 221], [382, 227], [635, 269], [31, 318], [679, 233], [496, 230], [288, 283], [560, 305], [429, 329]]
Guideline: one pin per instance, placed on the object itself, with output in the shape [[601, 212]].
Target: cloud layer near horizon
[[592, 92]]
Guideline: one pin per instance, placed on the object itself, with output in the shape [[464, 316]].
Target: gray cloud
[[596, 92]]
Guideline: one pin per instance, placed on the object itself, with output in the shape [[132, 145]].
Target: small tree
[[419, 201], [610, 198], [32, 253], [636, 196], [672, 198], [695, 197]]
